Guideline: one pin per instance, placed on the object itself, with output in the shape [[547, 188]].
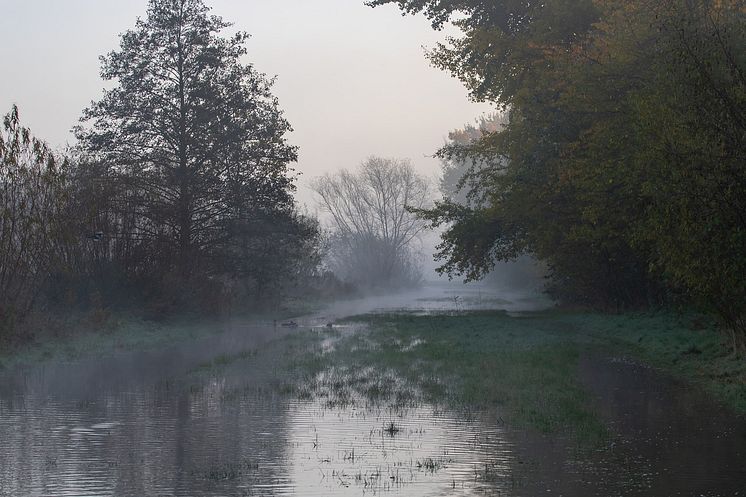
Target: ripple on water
[[121, 427], [192, 446], [414, 451]]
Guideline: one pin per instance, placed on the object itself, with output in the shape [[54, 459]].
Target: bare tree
[[374, 231]]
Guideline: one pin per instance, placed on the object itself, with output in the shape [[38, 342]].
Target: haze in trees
[[374, 235], [462, 171], [172, 323]]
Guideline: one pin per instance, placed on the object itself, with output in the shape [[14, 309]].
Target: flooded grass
[[527, 367], [76, 336], [450, 403], [686, 346], [468, 362], [222, 360], [228, 471]]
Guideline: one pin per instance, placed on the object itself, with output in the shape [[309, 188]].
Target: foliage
[[187, 159], [179, 195], [621, 165], [460, 168], [32, 196]]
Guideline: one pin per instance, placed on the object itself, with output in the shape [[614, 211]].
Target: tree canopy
[[373, 228], [621, 165], [190, 130]]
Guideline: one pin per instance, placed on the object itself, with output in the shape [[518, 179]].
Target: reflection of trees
[[166, 439], [432, 451]]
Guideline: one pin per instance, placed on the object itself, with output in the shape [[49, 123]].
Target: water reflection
[[138, 444], [195, 444], [133, 425], [670, 439], [413, 452]]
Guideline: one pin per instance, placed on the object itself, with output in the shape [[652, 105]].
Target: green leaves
[[621, 165]]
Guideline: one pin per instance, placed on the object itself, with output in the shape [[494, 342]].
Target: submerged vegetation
[[524, 369]]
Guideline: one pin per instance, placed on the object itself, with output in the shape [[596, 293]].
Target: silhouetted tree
[[194, 137]]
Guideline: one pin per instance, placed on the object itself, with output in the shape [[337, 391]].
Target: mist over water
[[232, 248], [138, 424]]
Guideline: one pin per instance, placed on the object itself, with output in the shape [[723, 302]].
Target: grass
[[526, 367], [467, 362], [77, 339], [686, 346], [80, 335], [222, 360]]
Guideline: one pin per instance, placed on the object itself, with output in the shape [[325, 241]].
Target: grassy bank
[[688, 347], [79, 335], [527, 366]]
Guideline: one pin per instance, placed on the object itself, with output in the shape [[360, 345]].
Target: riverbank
[[483, 401], [80, 335], [526, 363]]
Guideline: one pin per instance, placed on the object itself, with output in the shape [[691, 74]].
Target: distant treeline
[[178, 195], [622, 160]]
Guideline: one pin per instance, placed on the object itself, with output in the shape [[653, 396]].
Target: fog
[[234, 236]]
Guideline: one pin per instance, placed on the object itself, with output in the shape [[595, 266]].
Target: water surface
[[133, 425]]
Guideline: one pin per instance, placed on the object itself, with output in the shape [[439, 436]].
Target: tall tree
[[624, 148], [192, 131]]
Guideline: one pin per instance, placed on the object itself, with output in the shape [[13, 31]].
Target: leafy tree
[[459, 184], [194, 136], [516, 54], [624, 149], [690, 164], [460, 168]]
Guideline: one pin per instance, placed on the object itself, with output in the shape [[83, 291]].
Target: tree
[[461, 168], [194, 136], [373, 228], [624, 147], [460, 184], [692, 120], [32, 197]]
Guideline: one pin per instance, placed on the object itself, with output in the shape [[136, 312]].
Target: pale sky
[[353, 81]]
